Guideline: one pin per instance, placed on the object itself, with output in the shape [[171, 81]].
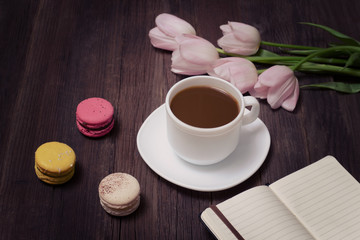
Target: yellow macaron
[[55, 162]]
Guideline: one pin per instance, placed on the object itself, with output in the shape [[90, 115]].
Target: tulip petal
[[246, 33], [259, 90], [159, 40], [194, 55], [172, 25], [275, 76], [225, 29], [277, 95], [279, 85], [239, 38], [198, 52], [231, 44], [239, 71], [181, 66], [243, 77], [290, 103]]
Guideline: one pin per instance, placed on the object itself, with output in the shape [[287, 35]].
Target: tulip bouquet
[[240, 48]]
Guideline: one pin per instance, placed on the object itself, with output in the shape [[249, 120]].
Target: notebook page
[[217, 227], [325, 197], [257, 214]]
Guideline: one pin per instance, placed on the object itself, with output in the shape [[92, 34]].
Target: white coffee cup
[[205, 146]]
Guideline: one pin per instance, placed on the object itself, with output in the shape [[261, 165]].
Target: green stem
[[221, 51], [300, 52], [308, 63], [285, 59], [326, 50], [289, 46], [320, 68], [324, 68], [280, 59]]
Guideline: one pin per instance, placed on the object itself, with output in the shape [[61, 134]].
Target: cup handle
[[251, 116]]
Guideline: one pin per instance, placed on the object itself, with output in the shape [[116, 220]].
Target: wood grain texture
[[54, 54]]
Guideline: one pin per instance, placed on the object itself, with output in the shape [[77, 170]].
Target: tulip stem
[[221, 51], [311, 63], [323, 68], [349, 49], [289, 46], [309, 67], [285, 59]]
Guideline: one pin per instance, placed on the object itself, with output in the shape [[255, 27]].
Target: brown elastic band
[[226, 222]]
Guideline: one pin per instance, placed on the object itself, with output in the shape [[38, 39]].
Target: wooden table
[[54, 54]]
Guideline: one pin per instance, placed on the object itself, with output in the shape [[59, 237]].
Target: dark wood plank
[[53, 54]]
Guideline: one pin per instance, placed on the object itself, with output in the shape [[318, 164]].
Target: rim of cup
[[204, 81]]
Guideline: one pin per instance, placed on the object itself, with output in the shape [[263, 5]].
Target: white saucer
[[240, 165]]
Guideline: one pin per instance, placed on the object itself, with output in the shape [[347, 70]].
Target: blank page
[[257, 214], [325, 198]]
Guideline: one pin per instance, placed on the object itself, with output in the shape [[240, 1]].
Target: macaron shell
[[94, 112], [96, 125], [122, 211], [119, 194], [119, 188], [55, 159], [95, 132], [52, 179]]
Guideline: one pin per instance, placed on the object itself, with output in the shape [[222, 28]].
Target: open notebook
[[320, 201]]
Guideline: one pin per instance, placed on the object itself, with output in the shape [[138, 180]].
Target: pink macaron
[[95, 117]]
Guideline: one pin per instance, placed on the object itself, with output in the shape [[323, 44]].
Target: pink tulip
[[167, 28], [239, 71], [239, 38], [279, 85], [194, 55]]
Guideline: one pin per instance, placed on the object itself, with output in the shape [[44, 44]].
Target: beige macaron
[[119, 194]]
